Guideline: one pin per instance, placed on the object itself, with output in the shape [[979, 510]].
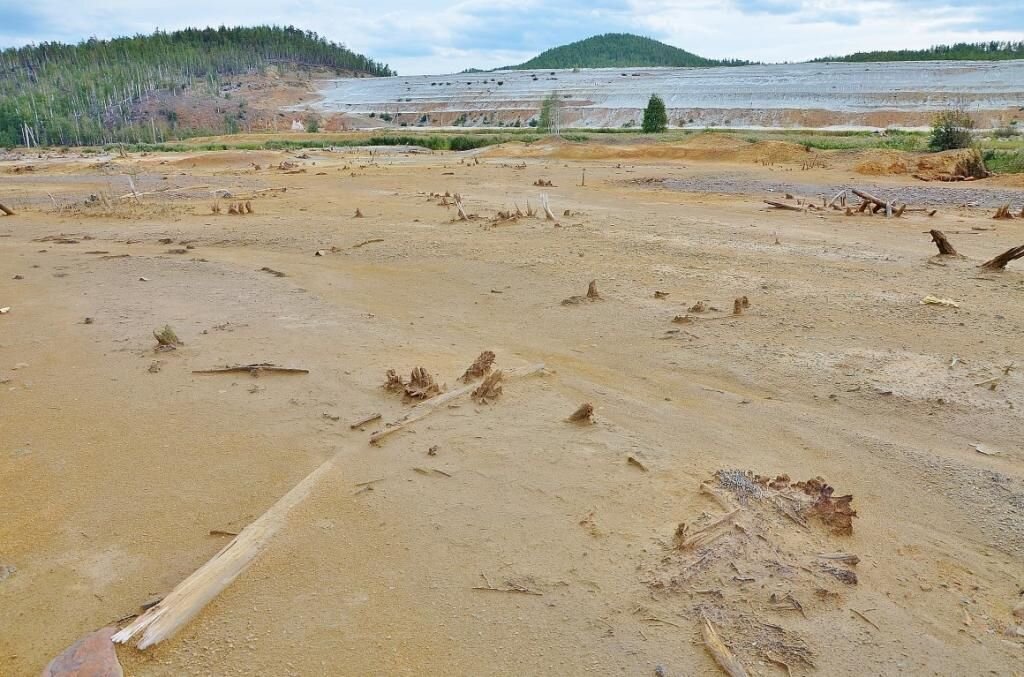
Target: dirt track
[[112, 477]]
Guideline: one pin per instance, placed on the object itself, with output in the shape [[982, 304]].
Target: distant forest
[[59, 94], [968, 51], [619, 50]]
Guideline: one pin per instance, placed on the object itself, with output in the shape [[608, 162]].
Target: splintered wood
[[944, 245], [999, 262], [480, 367], [592, 295], [489, 389], [420, 386], [423, 409], [585, 413], [756, 552], [719, 651]]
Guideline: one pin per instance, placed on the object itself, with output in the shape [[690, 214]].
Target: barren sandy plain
[[499, 538]]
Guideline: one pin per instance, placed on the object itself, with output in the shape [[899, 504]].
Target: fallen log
[[945, 248], [190, 596], [999, 262], [424, 408], [783, 205], [869, 198], [6, 211]]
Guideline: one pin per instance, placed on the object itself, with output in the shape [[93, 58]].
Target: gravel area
[[944, 194]]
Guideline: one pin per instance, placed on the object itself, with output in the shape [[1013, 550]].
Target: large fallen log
[[999, 262], [190, 596], [945, 248]]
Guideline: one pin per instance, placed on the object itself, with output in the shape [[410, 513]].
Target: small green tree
[[548, 113], [655, 117], [951, 129]]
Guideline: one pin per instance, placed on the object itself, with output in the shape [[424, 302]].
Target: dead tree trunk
[[999, 262], [945, 248]]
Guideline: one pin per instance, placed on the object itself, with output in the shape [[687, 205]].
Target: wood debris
[[275, 273], [166, 339], [363, 421], [489, 389], [1003, 212], [944, 245], [999, 262], [719, 651], [583, 413], [423, 409], [421, 385], [592, 295], [481, 367], [6, 210], [252, 369], [783, 205]]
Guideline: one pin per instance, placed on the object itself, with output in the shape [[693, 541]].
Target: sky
[[437, 36]]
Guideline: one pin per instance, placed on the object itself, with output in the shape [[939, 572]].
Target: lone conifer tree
[[655, 117]]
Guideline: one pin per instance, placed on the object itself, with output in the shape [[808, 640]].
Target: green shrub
[[951, 129]]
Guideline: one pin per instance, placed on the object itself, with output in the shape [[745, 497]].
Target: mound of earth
[[963, 163]]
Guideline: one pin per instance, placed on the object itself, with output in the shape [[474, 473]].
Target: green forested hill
[[976, 51], [55, 93], [618, 50]]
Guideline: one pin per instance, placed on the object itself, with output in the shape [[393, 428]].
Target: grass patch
[[1004, 162]]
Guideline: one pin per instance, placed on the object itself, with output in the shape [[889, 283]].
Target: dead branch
[[6, 211], [999, 262], [783, 205], [719, 651], [363, 421], [945, 248], [252, 369]]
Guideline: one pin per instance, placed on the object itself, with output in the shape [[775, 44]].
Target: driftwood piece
[[868, 197], [363, 421], [425, 408], [548, 214], [252, 369], [783, 205], [719, 651], [463, 216], [190, 596], [7, 211], [999, 262], [945, 248]]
